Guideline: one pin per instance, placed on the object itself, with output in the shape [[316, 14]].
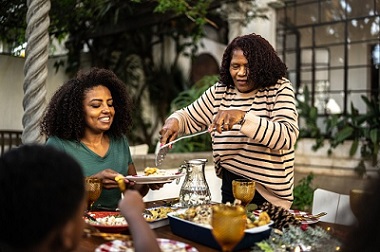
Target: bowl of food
[[194, 224]]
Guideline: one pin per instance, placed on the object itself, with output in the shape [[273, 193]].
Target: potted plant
[[186, 97], [362, 130]]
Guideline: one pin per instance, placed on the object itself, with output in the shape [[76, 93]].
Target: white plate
[[143, 179], [249, 231], [305, 214], [166, 245]]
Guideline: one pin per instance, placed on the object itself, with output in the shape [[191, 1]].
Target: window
[[333, 48]]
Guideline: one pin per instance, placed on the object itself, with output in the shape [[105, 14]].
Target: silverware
[[147, 212], [309, 217], [164, 149], [88, 216]]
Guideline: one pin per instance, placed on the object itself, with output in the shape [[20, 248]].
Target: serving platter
[[166, 245], [154, 179], [253, 230], [160, 217], [201, 233]]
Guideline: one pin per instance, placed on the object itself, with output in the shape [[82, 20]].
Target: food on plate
[[152, 171], [166, 245], [261, 220], [202, 215], [158, 213], [110, 220], [199, 214], [120, 181]]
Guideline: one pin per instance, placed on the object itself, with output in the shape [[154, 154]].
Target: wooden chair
[[9, 139]]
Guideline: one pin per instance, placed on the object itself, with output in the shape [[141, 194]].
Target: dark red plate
[[103, 227]]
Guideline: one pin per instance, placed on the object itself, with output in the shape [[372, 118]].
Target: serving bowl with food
[[194, 223]]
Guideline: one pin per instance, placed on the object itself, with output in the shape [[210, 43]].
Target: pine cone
[[280, 216]]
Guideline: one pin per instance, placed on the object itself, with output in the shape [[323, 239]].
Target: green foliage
[[127, 37], [186, 97], [309, 114], [362, 129], [294, 238], [303, 194]]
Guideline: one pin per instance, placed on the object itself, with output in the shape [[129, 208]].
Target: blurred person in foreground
[[251, 114], [132, 207], [42, 198], [365, 235], [88, 117]]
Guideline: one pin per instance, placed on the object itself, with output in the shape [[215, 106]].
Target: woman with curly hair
[[251, 114], [89, 117]]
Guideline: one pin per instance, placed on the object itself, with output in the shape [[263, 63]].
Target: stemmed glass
[[228, 225], [244, 190], [94, 189]]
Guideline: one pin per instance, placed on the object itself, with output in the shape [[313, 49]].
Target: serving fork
[[164, 149], [309, 217]]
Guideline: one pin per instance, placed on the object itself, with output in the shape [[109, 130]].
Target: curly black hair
[[64, 116], [265, 67], [53, 196]]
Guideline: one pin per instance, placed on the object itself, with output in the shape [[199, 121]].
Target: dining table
[[89, 243]]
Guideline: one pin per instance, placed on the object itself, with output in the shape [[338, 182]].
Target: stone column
[[35, 69], [236, 15]]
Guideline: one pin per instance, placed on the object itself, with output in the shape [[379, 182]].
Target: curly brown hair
[[64, 116], [265, 67]]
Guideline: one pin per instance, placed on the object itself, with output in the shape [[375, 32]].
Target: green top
[[117, 158]]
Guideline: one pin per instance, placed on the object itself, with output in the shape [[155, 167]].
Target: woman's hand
[[225, 119], [156, 186], [108, 179], [169, 131]]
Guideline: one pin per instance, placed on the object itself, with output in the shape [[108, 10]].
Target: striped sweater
[[262, 148]]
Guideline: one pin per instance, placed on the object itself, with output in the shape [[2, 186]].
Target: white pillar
[[35, 69], [266, 28], [237, 18]]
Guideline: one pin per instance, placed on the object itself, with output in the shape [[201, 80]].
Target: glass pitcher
[[194, 190]]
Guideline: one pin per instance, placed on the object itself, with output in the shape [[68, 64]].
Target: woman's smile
[[98, 109]]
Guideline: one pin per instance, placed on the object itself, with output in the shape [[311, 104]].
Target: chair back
[[337, 207], [9, 139]]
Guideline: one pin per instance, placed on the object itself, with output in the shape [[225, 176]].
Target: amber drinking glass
[[94, 189], [244, 190], [357, 198], [228, 225]]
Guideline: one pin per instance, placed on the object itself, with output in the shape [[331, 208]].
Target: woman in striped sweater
[[251, 114]]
